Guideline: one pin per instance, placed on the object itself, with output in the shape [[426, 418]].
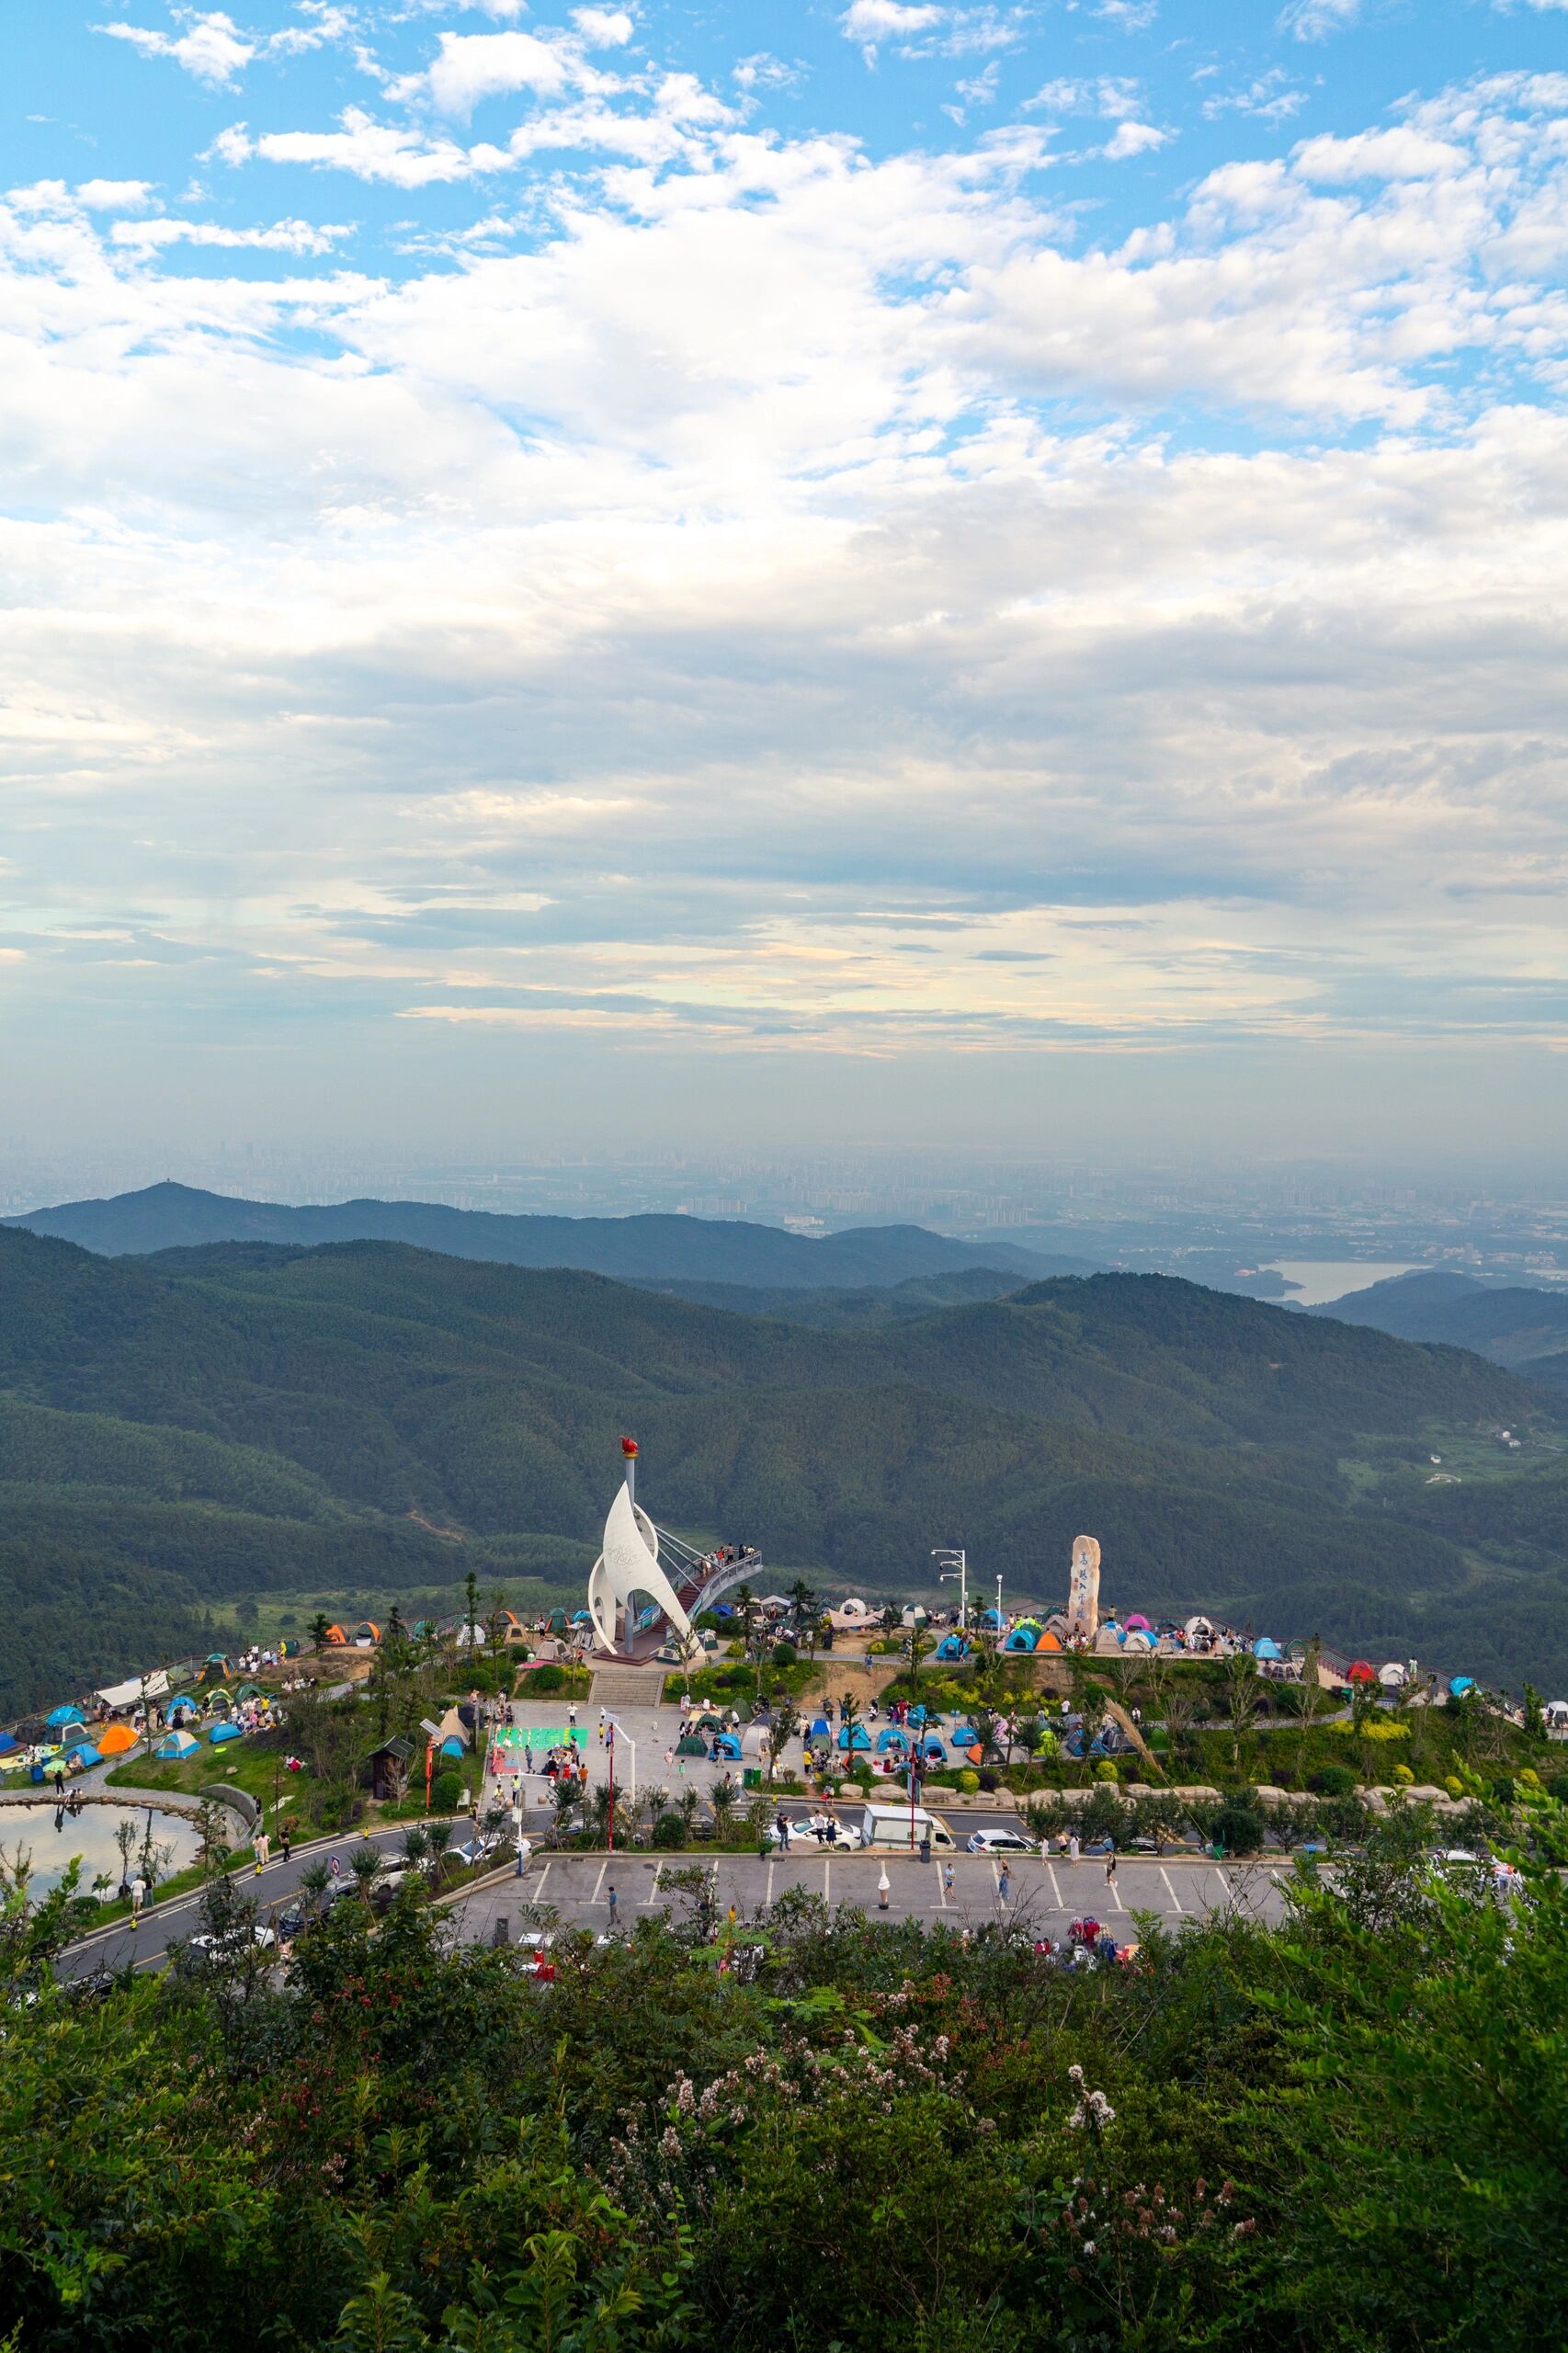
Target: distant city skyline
[[860, 573]]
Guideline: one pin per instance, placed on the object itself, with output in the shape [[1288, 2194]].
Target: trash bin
[[751, 1777]]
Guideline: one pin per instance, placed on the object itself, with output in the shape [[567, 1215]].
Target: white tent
[[129, 1693]]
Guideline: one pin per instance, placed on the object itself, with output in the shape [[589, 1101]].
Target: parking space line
[[1055, 1891], [826, 1883], [600, 1881], [543, 1876], [767, 1897], [651, 1895], [941, 1885], [1170, 1890]]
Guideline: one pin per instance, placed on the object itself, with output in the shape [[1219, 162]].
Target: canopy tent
[[127, 1694], [1264, 1648], [221, 1732], [688, 1745], [115, 1739], [177, 1746]]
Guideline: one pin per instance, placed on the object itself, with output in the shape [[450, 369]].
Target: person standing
[[263, 1849], [138, 1890], [1073, 1847], [1110, 1870], [1004, 1886], [572, 1718], [285, 1842], [947, 1878], [611, 1893]]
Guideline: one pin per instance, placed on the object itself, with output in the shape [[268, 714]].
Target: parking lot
[[575, 1889]]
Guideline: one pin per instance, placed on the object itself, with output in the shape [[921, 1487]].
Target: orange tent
[[113, 1740], [335, 1634], [1049, 1643]]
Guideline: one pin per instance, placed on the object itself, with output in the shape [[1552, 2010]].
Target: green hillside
[[184, 1430]]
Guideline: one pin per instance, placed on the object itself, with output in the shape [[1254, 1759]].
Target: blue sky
[[845, 564]]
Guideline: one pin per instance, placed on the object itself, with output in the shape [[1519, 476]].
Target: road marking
[[1170, 1890], [826, 1882], [767, 1897], [651, 1895], [543, 1876], [1112, 1900], [941, 1884], [1056, 1891], [600, 1881]]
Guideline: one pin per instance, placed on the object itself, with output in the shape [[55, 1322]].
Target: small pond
[[52, 1838]]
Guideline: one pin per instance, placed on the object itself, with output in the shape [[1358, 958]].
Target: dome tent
[[1264, 1648], [175, 1747]]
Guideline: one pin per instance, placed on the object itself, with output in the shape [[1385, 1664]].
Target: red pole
[[610, 1818]]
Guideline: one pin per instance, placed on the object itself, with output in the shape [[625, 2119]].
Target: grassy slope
[[243, 1418]]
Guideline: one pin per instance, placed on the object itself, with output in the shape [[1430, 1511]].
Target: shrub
[[549, 1677], [1239, 1828], [1336, 1781], [784, 1654], [1106, 1771], [447, 1793], [1404, 1776], [668, 1831], [968, 1780]]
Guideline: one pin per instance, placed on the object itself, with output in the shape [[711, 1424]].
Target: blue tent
[[61, 1716], [82, 1757], [177, 1744], [184, 1706], [860, 1738], [965, 1736], [890, 1737], [451, 1745], [932, 1751], [820, 1730], [1264, 1648], [992, 1617], [1022, 1638], [1460, 1685], [7, 1742], [952, 1646], [224, 1731], [728, 1745]]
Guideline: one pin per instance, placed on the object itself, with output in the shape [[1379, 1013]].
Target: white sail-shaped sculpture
[[629, 1564]]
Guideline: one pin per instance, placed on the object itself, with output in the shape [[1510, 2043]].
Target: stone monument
[[1084, 1589]]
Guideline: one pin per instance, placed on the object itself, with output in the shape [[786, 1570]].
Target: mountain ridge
[[645, 1248]]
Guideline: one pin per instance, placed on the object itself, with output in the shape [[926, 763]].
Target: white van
[[901, 1828]]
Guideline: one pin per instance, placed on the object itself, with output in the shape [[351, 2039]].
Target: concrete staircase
[[620, 1686]]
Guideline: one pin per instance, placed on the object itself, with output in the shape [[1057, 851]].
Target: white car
[[1000, 1842], [813, 1832], [234, 1942]]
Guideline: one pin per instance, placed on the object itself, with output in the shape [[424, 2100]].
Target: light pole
[[946, 1576], [998, 1609]]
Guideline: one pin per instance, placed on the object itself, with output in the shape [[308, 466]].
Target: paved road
[[148, 1945], [1048, 1895]]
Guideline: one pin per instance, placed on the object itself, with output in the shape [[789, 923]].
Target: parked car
[[1000, 1842], [809, 1832], [232, 1942]]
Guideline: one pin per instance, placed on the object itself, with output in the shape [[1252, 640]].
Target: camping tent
[[728, 1746], [57, 1718], [178, 1709], [1457, 1685], [1264, 1648], [451, 1747], [175, 1747], [859, 1738], [820, 1729], [7, 1742], [1138, 1624], [890, 1737], [1360, 1670], [115, 1739], [1139, 1639], [248, 1691], [952, 1646], [82, 1757], [1022, 1638], [289, 1647], [688, 1745], [221, 1732], [1392, 1677]]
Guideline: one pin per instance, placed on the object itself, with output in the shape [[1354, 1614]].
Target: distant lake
[[1323, 1279], [91, 1836]]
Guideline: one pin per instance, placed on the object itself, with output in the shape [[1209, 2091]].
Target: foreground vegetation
[[1349, 2134]]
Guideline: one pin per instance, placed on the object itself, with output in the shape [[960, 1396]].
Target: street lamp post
[[946, 1576]]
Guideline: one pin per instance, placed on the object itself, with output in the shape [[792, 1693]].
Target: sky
[[886, 571]]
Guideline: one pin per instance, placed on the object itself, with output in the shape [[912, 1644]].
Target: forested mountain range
[[1515, 1325], [207, 1423], [653, 1248]]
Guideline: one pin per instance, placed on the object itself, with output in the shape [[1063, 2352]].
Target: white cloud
[[1132, 16], [1133, 138], [213, 49], [875, 20], [603, 28], [474, 67], [1316, 20], [369, 150], [1400, 153], [1269, 98], [281, 237]]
